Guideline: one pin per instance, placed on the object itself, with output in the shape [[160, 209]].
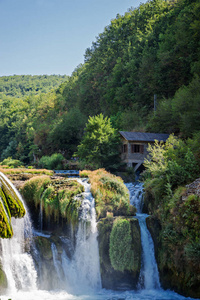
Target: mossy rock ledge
[[124, 275]]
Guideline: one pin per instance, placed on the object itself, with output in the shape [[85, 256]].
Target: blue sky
[[50, 36]]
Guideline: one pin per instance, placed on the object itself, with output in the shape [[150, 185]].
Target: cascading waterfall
[[18, 264], [149, 276], [84, 267], [149, 273]]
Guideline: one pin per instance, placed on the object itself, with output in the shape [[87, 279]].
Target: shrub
[[53, 162], [11, 163]]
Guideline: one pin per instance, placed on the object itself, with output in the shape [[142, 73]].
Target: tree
[[67, 131], [100, 143]]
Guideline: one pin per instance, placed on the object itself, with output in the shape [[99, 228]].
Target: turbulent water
[[79, 276]]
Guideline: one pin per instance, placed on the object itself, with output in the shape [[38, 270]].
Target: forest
[[150, 50]]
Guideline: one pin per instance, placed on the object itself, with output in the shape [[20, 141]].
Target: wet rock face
[[112, 278], [154, 227], [44, 260]]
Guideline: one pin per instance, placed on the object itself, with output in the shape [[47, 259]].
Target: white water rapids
[[79, 276]]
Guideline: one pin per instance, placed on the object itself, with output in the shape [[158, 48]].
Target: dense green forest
[[152, 49], [24, 85]]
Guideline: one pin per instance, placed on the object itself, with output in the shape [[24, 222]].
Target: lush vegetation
[[55, 161], [152, 49], [110, 193], [177, 208], [19, 86], [99, 147], [54, 196]]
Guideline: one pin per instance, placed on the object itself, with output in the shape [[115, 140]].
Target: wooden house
[[135, 144]]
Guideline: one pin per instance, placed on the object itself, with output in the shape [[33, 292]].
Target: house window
[[125, 148], [136, 148]]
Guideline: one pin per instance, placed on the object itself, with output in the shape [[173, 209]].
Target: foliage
[[177, 207], [174, 161], [180, 114], [56, 197], [110, 193], [67, 131], [150, 50], [192, 252], [53, 162], [100, 143], [11, 163], [120, 248], [23, 85]]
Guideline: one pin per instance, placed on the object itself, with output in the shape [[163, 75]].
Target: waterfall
[[16, 262], [74, 271], [149, 276], [149, 273], [84, 267]]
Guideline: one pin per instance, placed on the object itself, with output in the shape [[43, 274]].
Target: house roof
[[144, 136]]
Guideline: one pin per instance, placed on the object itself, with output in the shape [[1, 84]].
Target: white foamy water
[[99, 295], [84, 267], [149, 276]]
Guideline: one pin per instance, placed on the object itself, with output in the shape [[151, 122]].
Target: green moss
[[10, 206], [14, 204], [5, 204], [121, 249], [104, 230], [73, 210], [5, 225], [112, 278]]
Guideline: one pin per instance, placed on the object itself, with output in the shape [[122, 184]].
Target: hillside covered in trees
[[152, 49], [24, 85]]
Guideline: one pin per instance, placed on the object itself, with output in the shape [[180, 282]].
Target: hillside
[[153, 49], [25, 85]]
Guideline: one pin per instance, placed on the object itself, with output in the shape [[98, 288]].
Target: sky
[[50, 36]]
